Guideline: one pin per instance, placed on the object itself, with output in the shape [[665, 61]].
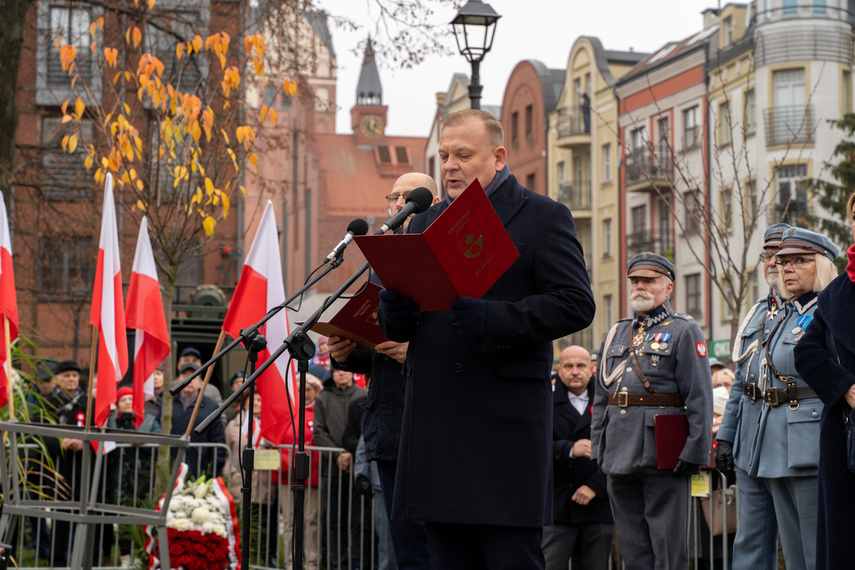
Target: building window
[[726, 210], [639, 218], [750, 113], [846, 91], [561, 173], [383, 154], [819, 6], [71, 25], [65, 266], [791, 203], [663, 146], [694, 211], [608, 301], [63, 175], [691, 134], [401, 155], [728, 31], [791, 7], [725, 126], [607, 162], [515, 129], [693, 296], [607, 237], [789, 120], [529, 121]]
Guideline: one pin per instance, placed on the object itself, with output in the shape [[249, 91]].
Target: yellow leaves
[[88, 162], [289, 86], [196, 131], [254, 160], [243, 191], [274, 116], [197, 44], [255, 48], [226, 204], [110, 54], [79, 107], [141, 205], [263, 113], [137, 36], [209, 186], [72, 143], [219, 44], [234, 159], [207, 122], [151, 4], [67, 55], [179, 51], [231, 80], [209, 224], [246, 136], [266, 112], [65, 119]]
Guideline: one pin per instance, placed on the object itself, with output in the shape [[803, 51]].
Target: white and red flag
[[108, 311], [8, 303], [260, 288], [146, 316]]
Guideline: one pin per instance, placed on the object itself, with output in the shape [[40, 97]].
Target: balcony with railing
[[574, 126], [645, 172], [790, 124], [575, 195], [660, 241]]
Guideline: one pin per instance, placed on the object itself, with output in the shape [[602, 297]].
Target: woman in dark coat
[[825, 358]]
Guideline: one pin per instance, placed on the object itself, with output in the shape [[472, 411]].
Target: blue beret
[[649, 264], [773, 235], [800, 240]]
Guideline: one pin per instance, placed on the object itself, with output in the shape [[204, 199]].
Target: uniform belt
[[752, 391], [790, 395], [624, 399]]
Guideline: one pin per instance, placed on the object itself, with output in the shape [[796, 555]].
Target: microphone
[[357, 227], [418, 201]]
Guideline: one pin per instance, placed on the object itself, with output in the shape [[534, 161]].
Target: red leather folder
[[671, 431], [462, 254], [357, 320]]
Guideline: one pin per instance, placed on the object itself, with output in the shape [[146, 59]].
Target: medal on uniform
[[638, 339], [796, 330], [654, 346], [802, 323], [772, 313], [654, 359], [663, 345]]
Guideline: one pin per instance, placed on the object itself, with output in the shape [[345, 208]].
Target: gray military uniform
[[651, 505]]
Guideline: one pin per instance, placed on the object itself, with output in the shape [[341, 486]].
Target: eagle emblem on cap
[[789, 232], [644, 256]]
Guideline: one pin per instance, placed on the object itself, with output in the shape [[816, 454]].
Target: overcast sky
[[529, 29]]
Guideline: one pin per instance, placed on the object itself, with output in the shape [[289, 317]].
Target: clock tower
[[368, 116]]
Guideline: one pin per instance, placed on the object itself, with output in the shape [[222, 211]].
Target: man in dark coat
[[583, 526], [476, 438], [199, 460], [384, 407]]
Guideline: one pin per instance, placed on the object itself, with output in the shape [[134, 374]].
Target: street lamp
[[473, 20]]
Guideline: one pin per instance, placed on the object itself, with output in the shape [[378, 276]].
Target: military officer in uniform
[[784, 448], [756, 543], [654, 363]]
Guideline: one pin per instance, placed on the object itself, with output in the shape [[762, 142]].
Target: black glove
[[471, 316], [399, 311], [724, 461], [686, 468], [363, 486]]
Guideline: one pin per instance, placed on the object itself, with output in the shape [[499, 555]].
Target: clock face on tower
[[371, 126]]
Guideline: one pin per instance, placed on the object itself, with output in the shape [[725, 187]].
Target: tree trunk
[[11, 40]]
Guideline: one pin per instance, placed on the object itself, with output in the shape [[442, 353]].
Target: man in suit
[[583, 526], [476, 436], [653, 364], [384, 407]]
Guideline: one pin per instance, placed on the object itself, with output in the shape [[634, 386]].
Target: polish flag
[[108, 311], [8, 302], [146, 316], [260, 288]]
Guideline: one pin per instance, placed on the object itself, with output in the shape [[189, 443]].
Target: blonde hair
[[495, 132], [723, 372], [826, 271], [849, 204]]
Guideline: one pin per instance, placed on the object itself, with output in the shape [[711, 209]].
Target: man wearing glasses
[[738, 429]]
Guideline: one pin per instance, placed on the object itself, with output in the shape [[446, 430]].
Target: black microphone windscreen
[[422, 197], [357, 227]]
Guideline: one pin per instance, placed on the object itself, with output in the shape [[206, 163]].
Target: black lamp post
[[474, 28]]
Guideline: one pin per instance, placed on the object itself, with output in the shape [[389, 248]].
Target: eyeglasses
[[766, 255], [797, 262], [392, 198]]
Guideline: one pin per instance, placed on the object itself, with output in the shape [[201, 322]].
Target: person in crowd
[[367, 484], [361, 531], [825, 358], [131, 469], [654, 363], [207, 460], [785, 451], [68, 402], [480, 371], [330, 420], [716, 365], [738, 428], [192, 354], [381, 424], [154, 404], [583, 525], [311, 510], [723, 378], [235, 382], [322, 354], [264, 501]]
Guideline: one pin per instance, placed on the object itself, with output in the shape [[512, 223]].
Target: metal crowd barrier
[[332, 508]]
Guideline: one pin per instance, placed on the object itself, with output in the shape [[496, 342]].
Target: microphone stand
[[301, 347], [255, 344]]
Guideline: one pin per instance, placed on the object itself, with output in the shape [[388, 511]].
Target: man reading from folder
[[653, 364], [381, 423], [474, 460]]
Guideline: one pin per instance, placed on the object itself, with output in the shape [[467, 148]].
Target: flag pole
[[9, 385], [220, 341], [93, 356]]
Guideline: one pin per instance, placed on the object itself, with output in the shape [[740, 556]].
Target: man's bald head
[[412, 180], [574, 368]]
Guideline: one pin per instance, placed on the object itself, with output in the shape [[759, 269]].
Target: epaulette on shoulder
[[683, 316]]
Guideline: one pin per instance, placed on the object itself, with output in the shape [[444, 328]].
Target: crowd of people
[[447, 446]]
